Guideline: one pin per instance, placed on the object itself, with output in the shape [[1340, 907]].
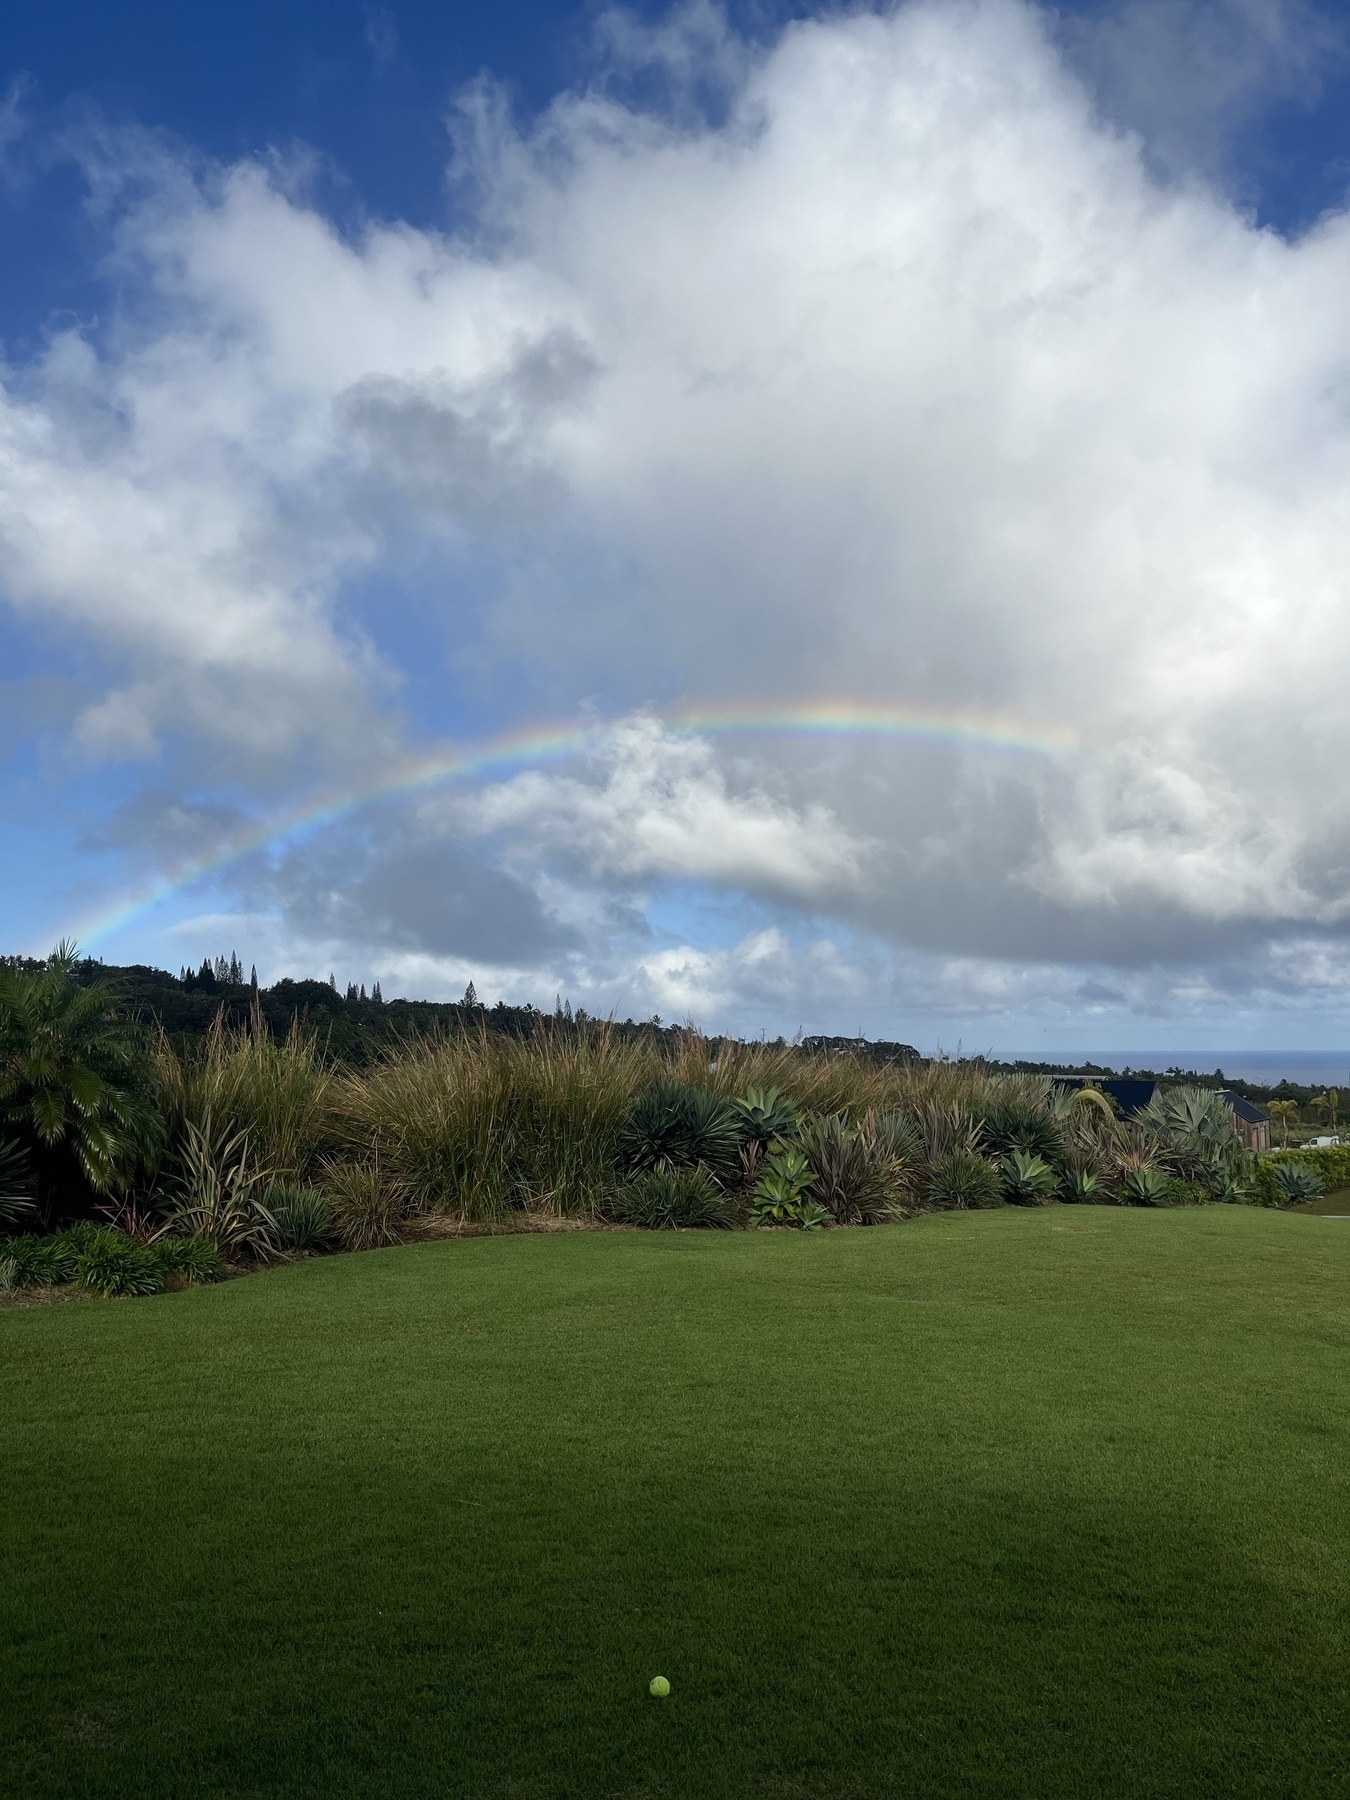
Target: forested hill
[[354, 1025]]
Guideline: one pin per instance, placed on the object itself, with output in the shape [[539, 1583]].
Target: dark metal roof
[[1130, 1096], [1245, 1110]]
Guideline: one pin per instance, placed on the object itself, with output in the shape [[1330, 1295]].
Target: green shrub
[[1146, 1186], [764, 1116], [682, 1127], [959, 1179], [1331, 1163], [1188, 1193], [669, 1200], [195, 1259], [368, 1208], [112, 1264], [1028, 1180], [304, 1218], [858, 1178], [1236, 1189], [1009, 1125]]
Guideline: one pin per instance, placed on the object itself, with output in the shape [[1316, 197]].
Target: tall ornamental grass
[[479, 1124], [241, 1082]]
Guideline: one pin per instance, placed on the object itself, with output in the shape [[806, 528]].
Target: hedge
[[1331, 1163]]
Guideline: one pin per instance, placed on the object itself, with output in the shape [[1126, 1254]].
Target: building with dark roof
[[1129, 1094], [1253, 1125]]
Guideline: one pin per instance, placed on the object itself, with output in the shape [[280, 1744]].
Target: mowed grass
[[1021, 1503]]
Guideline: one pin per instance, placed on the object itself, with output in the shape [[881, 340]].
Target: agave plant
[[810, 1216], [1144, 1186], [1298, 1181], [1234, 1190], [765, 1116], [782, 1189], [1082, 1184], [1028, 1180]]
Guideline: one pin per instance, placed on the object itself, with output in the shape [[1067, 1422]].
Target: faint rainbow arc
[[823, 719]]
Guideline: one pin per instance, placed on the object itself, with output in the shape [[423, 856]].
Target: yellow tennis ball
[[660, 1686]]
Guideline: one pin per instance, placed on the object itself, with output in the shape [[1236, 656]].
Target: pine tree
[[236, 971], [253, 981], [376, 995], [351, 990], [363, 990], [470, 996], [332, 981]]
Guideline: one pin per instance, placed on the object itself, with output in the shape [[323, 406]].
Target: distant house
[[1253, 1125], [1130, 1095]]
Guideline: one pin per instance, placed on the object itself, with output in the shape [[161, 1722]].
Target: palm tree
[[71, 1084], [1284, 1111], [1327, 1103], [15, 1194]]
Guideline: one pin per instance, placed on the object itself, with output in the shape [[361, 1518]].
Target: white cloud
[[661, 806], [909, 380]]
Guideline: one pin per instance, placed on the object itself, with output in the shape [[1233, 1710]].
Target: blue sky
[[378, 379]]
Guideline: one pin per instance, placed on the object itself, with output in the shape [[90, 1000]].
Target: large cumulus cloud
[[910, 378]]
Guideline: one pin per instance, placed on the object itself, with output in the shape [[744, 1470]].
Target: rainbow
[[535, 745]]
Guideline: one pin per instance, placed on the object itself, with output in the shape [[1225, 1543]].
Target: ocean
[[1309, 1068]]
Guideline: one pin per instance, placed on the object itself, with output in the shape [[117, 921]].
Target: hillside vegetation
[[130, 1158]]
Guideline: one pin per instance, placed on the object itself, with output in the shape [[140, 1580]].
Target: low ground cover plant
[[106, 1261], [671, 1199]]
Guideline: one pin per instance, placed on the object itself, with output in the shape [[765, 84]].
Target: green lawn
[[1020, 1503]]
